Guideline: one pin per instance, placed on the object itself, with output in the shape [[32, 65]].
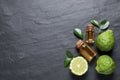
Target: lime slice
[[78, 66]]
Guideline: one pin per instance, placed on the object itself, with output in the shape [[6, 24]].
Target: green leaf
[[67, 62], [78, 33], [95, 23], [69, 54], [104, 24]]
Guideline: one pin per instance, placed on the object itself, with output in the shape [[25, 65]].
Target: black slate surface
[[34, 35]]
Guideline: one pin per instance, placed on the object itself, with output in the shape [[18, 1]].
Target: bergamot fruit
[[105, 65], [105, 41], [78, 66]]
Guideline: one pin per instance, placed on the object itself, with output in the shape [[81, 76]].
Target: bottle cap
[[90, 26], [79, 43]]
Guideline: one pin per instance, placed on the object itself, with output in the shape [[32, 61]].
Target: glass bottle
[[85, 50], [90, 34]]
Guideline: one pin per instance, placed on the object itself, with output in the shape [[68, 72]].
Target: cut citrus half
[[78, 66]]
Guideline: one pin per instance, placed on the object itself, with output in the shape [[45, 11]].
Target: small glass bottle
[[90, 34], [85, 50]]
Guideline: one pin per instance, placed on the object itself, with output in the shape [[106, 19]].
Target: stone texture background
[[34, 35]]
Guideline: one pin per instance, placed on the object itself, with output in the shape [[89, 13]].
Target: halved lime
[[78, 66]]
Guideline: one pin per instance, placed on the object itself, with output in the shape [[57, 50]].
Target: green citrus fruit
[[105, 41], [78, 66], [105, 65]]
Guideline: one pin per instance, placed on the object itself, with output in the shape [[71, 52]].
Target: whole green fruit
[[105, 41], [105, 65]]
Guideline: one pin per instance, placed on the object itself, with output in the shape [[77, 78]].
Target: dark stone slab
[[34, 35]]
